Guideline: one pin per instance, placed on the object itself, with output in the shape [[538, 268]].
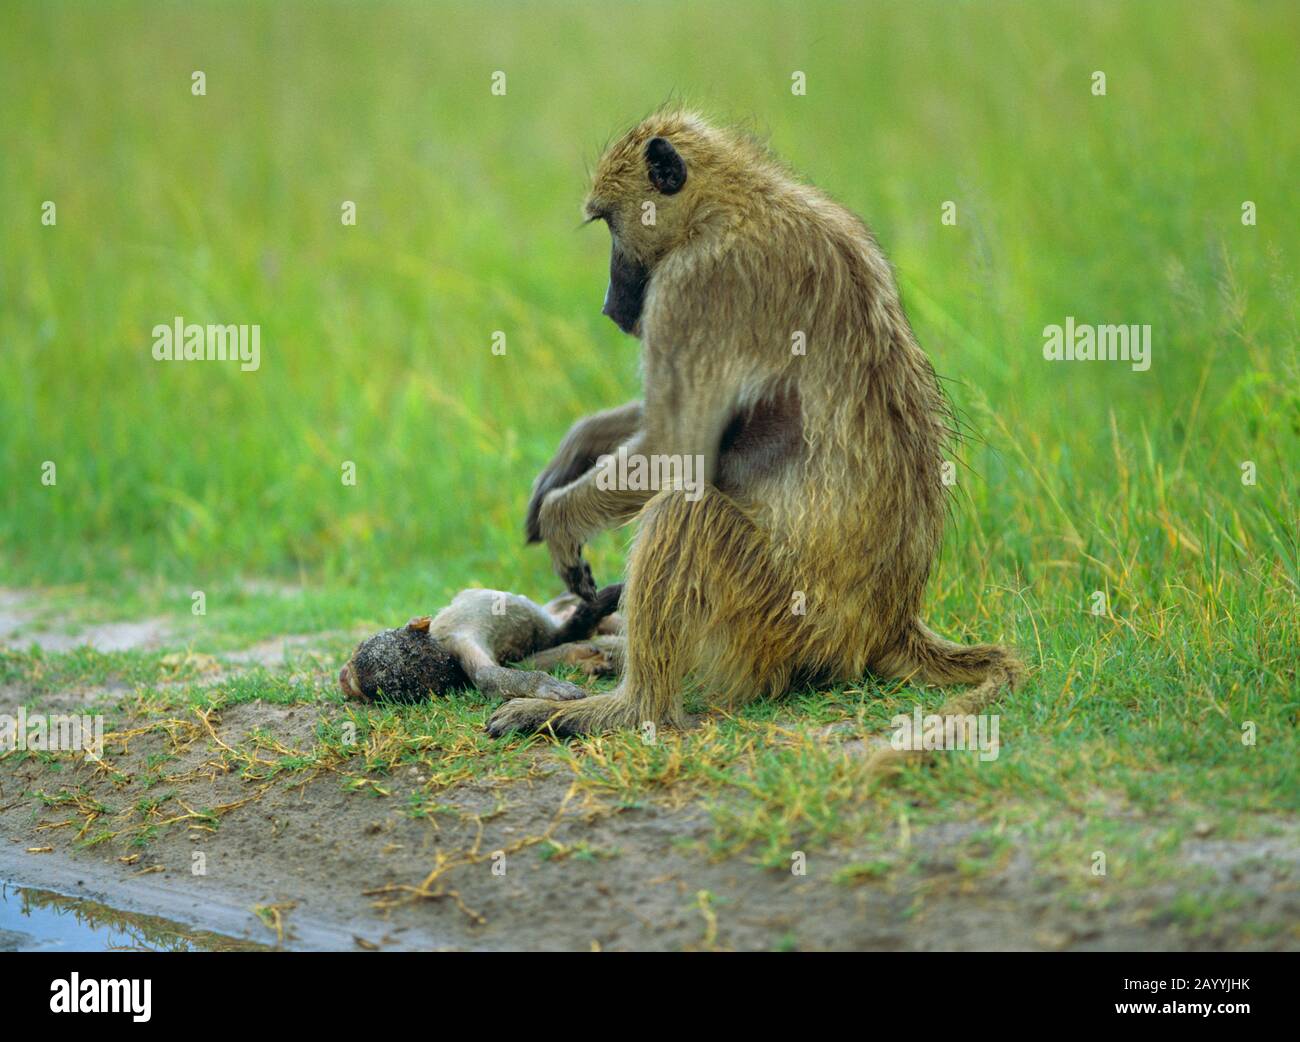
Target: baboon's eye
[[666, 167]]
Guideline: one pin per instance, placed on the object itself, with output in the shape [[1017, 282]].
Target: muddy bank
[[527, 866]]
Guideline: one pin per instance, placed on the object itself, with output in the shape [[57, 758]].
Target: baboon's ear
[[419, 624], [666, 166]]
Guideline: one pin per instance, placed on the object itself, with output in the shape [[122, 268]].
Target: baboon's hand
[[566, 550], [527, 683], [577, 577], [556, 690], [506, 684]]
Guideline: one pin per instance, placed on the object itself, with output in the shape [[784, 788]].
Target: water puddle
[[34, 920]]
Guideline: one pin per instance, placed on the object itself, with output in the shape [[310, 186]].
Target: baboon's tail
[[924, 655], [587, 615]]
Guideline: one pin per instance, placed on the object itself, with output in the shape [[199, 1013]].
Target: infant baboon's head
[[404, 665]]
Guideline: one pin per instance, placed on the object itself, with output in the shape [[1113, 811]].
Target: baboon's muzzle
[[625, 295]]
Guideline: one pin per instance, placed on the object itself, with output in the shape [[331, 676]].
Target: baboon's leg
[[504, 683], [563, 606], [700, 576], [600, 656]]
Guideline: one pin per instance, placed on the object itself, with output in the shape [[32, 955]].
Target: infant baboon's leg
[[562, 607], [505, 683], [700, 575], [600, 656]]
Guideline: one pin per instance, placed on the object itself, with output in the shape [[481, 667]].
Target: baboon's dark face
[[631, 204], [625, 294], [401, 665]]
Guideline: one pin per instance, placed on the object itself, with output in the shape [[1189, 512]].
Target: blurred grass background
[[376, 339]]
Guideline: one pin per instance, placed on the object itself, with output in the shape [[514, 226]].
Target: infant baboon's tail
[[924, 655], [587, 615]]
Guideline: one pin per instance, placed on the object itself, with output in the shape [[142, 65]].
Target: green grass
[[376, 349]]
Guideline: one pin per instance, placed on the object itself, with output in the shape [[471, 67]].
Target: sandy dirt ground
[[532, 867]]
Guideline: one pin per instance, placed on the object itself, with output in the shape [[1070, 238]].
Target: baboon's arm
[[588, 439], [686, 409]]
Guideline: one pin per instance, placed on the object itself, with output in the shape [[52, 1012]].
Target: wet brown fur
[[823, 468]]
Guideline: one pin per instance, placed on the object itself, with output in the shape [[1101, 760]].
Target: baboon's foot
[[528, 716], [589, 656], [595, 663], [596, 714]]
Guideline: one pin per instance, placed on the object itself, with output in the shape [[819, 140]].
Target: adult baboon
[[774, 347]]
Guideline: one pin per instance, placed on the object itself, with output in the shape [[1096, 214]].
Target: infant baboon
[[776, 351], [466, 643]]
